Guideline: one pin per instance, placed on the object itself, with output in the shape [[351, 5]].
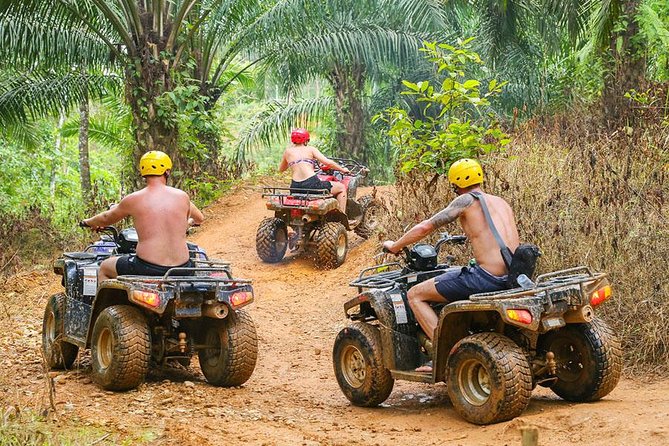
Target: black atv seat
[[80, 255]]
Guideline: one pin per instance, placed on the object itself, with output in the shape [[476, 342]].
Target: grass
[[28, 428]]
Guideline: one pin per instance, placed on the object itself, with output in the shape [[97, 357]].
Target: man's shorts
[[132, 265], [312, 182], [461, 282]]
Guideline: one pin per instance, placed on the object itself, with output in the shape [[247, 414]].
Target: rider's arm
[[426, 227], [325, 160], [195, 216], [113, 215], [283, 165]]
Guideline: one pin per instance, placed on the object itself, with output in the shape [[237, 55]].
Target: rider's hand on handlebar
[[345, 170], [387, 247]]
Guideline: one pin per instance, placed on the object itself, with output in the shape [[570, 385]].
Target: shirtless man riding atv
[[489, 272], [161, 216]]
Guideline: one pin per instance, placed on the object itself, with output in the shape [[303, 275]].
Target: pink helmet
[[299, 136]]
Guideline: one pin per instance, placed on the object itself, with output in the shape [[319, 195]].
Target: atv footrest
[[411, 375]]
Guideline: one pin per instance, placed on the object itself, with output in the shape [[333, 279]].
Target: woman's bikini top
[[311, 161]]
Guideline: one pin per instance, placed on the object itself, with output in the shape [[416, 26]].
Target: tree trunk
[[148, 78], [348, 82], [625, 70], [84, 162]]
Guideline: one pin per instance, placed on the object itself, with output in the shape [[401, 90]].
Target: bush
[[586, 198]]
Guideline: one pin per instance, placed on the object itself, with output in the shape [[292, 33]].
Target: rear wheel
[[272, 240], [121, 348], [232, 349], [331, 245], [588, 357], [372, 212], [489, 378], [358, 365], [57, 353]]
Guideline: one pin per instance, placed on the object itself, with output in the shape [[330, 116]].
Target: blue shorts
[[459, 283]]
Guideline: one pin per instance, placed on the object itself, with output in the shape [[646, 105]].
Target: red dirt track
[[292, 397]]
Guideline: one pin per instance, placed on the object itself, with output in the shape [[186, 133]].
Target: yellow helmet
[[154, 163], [465, 172]]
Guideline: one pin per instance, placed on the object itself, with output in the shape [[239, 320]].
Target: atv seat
[[80, 255]]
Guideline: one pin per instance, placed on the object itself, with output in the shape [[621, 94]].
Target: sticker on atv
[[90, 281], [400, 309]]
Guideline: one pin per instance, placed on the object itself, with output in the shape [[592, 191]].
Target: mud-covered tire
[[358, 365], [588, 357], [272, 240], [489, 378], [372, 212], [331, 245], [120, 348], [57, 353], [234, 349]]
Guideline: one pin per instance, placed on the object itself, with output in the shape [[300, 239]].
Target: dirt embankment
[[292, 397]]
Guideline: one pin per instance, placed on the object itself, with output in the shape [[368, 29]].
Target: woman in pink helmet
[[302, 159]]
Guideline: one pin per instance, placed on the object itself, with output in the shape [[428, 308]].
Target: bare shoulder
[[453, 210], [177, 191], [462, 201]]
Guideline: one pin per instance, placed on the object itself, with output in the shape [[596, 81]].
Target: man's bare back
[[160, 215], [473, 222]]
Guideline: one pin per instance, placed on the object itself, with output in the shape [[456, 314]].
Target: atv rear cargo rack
[[297, 200], [171, 277], [570, 277]]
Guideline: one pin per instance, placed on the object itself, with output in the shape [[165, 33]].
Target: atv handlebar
[[446, 238], [356, 168]]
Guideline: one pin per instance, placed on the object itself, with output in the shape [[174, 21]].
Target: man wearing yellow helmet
[[489, 272], [161, 215]]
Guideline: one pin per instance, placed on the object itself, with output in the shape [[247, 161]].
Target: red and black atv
[[315, 219]]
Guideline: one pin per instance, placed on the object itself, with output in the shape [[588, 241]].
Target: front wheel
[[588, 357], [121, 348], [358, 365], [57, 353], [489, 378], [331, 245], [231, 349], [373, 211], [272, 240]]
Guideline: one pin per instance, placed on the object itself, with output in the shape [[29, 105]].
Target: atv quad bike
[[315, 219], [131, 322], [491, 350]]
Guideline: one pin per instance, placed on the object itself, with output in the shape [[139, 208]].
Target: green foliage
[[453, 122]]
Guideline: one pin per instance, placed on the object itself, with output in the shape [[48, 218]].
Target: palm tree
[[352, 46], [149, 42]]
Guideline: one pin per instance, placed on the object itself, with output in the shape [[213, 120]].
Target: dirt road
[[292, 397]]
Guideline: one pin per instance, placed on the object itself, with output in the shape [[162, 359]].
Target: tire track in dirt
[[292, 397]]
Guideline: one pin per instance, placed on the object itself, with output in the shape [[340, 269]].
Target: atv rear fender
[[397, 325]]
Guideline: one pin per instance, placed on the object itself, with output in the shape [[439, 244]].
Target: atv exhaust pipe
[[216, 311], [308, 218], [579, 315]]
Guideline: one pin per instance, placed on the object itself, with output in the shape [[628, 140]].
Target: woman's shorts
[[461, 282], [132, 265], [310, 183]]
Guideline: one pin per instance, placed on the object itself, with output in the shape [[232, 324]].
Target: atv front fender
[[397, 325]]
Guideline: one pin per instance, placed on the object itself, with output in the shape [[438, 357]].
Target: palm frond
[[48, 93], [275, 122]]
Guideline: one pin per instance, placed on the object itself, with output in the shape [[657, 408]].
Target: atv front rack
[[354, 166], [387, 276]]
